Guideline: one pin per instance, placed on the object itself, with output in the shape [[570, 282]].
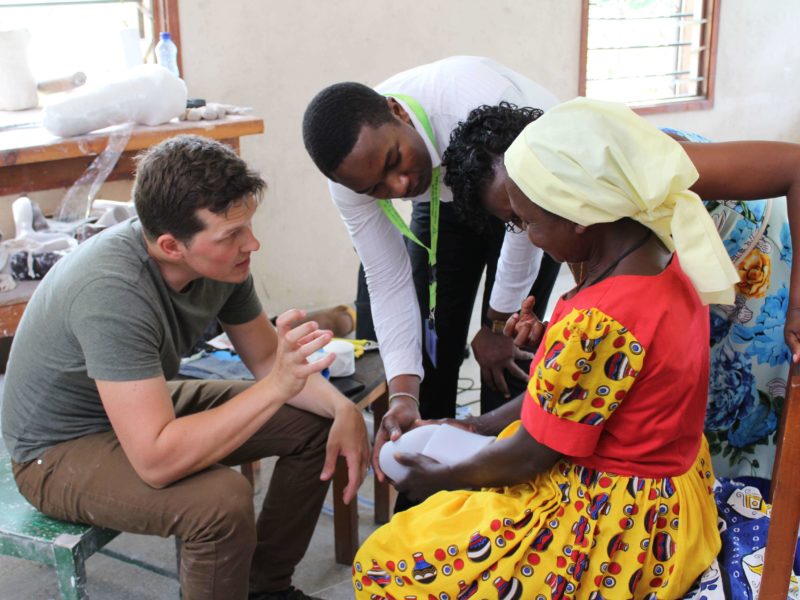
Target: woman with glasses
[[750, 357]]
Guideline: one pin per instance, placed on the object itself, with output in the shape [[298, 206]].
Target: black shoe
[[290, 593]]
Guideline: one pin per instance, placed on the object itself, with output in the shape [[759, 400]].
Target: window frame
[[165, 15], [166, 18], [709, 35]]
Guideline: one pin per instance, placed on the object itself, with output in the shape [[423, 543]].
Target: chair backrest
[[785, 498]]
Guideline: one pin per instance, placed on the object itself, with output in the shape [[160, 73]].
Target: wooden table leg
[[785, 498], [384, 493], [345, 518], [252, 472]]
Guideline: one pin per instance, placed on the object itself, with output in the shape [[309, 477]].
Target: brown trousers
[[89, 480]]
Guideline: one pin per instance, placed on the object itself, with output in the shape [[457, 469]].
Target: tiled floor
[[317, 574]]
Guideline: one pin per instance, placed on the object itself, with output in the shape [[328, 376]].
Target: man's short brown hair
[[184, 174]]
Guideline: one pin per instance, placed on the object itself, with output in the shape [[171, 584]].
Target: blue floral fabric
[[749, 358]]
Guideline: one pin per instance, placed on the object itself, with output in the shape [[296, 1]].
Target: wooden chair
[[785, 498], [27, 533]]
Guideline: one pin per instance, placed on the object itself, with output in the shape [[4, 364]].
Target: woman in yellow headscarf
[[753, 339], [603, 491]]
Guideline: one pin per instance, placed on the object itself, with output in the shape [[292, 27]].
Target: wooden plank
[[369, 371], [36, 145], [9, 318], [785, 497], [345, 518], [49, 175], [385, 494], [34, 177]]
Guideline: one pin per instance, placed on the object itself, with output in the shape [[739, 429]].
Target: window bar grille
[[645, 46], [650, 75]]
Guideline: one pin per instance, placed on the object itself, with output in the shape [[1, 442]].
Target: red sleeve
[[587, 364], [564, 436]]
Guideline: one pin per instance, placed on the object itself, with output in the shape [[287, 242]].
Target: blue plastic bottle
[[167, 53]]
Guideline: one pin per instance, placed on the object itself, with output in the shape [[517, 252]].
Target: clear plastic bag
[[77, 202]]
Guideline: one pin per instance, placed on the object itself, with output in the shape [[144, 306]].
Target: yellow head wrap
[[596, 162]]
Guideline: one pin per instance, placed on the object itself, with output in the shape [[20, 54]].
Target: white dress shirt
[[447, 90]]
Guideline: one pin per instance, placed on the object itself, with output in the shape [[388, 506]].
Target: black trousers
[[461, 259]]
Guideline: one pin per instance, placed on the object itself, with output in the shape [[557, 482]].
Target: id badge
[[431, 340]]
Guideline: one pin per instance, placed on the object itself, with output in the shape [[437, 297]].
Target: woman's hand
[[513, 459], [295, 345], [426, 476], [384, 433], [791, 333], [524, 326]]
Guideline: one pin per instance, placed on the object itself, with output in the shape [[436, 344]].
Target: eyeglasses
[[512, 227]]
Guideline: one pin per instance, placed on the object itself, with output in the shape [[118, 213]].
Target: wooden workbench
[[32, 159]]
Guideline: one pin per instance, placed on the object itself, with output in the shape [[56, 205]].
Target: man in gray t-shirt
[[97, 432]]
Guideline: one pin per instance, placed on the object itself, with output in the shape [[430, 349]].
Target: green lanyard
[[398, 221]]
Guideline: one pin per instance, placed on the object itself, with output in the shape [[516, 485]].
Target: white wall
[[275, 55]]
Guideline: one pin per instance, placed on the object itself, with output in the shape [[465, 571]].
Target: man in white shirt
[[387, 143]]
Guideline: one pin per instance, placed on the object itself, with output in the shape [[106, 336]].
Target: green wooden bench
[[27, 533]]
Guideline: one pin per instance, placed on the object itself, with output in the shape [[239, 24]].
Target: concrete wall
[[275, 55]]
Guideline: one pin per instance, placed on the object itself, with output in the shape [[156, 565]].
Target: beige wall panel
[[275, 55]]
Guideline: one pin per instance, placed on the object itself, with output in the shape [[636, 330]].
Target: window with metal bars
[[654, 55]]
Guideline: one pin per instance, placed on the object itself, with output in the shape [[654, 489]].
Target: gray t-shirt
[[103, 312]]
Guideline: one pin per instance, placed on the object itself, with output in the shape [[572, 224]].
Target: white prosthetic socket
[[446, 444], [146, 94]]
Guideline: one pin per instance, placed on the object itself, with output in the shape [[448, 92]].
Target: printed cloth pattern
[[590, 363], [744, 518], [573, 531], [749, 357]]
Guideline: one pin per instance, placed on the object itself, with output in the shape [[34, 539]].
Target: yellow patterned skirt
[[572, 532]]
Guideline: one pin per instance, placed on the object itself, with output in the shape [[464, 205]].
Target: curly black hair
[[475, 145]]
